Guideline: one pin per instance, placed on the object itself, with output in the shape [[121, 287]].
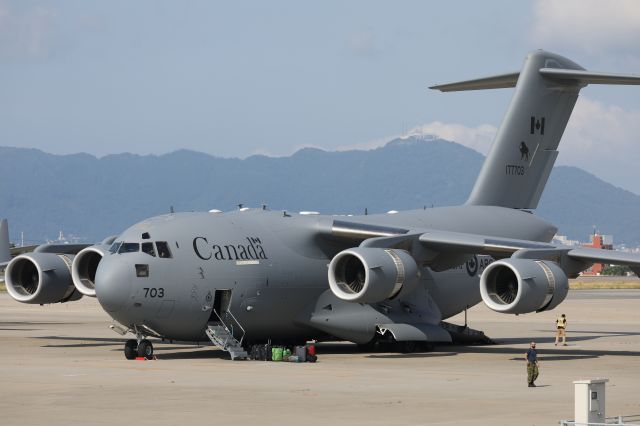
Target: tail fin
[[525, 147], [5, 247]]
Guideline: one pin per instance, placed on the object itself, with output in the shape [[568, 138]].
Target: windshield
[[114, 247], [129, 247], [148, 248]]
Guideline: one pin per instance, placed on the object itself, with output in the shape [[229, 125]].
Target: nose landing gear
[[131, 349], [145, 349], [138, 348]]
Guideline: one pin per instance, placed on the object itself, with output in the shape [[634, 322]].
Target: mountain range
[[92, 198]]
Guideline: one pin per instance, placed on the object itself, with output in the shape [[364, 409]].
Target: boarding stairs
[[221, 333]]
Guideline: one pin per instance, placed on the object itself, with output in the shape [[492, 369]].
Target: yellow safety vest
[[561, 322]]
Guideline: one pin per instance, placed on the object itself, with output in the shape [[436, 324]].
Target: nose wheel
[[133, 349]]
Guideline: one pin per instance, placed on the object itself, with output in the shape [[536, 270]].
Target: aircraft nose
[[113, 282]]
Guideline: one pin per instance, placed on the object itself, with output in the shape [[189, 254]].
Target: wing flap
[[477, 244]]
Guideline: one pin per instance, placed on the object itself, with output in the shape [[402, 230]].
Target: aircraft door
[[221, 303]]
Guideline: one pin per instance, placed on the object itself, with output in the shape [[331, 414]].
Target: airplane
[[5, 247], [255, 275]]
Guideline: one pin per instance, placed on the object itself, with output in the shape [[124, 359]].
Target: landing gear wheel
[[145, 349], [131, 349]]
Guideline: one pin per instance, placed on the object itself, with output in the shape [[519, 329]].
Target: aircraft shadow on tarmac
[[192, 354], [412, 355], [572, 336], [18, 323], [559, 353], [81, 342], [19, 329], [177, 351]]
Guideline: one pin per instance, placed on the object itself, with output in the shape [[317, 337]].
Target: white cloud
[[601, 139], [27, 34], [590, 25], [604, 140], [477, 138]]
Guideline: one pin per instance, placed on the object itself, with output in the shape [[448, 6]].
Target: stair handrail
[[231, 331], [228, 312]]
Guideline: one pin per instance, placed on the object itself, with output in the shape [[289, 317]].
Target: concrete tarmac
[[61, 365]]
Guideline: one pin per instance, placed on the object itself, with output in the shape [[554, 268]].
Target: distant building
[[604, 242], [564, 240]]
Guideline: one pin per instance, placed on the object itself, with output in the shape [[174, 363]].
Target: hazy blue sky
[[238, 78]]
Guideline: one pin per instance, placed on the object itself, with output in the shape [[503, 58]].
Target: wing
[[571, 258], [441, 250]]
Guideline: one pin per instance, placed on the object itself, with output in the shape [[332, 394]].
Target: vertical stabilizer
[[525, 147], [5, 249]]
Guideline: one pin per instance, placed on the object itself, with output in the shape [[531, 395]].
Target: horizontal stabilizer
[[588, 77], [501, 81], [509, 80]]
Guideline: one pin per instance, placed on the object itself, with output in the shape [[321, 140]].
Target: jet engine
[[520, 286], [369, 275], [41, 278], [85, 265]]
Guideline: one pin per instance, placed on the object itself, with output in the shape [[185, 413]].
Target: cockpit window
[[163, 249], [114, 247], [129, 248], [148, 248]]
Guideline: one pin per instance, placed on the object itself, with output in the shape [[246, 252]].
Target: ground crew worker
[[532, 364], [561, 330]]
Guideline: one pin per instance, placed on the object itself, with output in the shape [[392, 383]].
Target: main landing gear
[[134, 349]]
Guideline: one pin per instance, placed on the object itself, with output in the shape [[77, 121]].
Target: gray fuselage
[[275, 265]]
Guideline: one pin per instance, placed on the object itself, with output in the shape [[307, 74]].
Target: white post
[[589, 401]]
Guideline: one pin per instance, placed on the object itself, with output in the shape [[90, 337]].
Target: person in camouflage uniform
[[532, 364]]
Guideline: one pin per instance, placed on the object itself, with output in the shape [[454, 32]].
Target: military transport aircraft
[[253, 274]]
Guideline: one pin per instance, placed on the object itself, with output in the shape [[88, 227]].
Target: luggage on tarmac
[[301, 353]]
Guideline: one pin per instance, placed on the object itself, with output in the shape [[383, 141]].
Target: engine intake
[[369, 275], [41, 278], [520, 286], [83, 270]]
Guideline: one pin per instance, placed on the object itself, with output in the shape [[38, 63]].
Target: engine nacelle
[[520, 286], [85, 265], [41, 278], [369, 275]]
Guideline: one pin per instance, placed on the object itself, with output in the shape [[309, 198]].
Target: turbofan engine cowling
[[369, 275], [41, 278], [520, 286], [85, 265]]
